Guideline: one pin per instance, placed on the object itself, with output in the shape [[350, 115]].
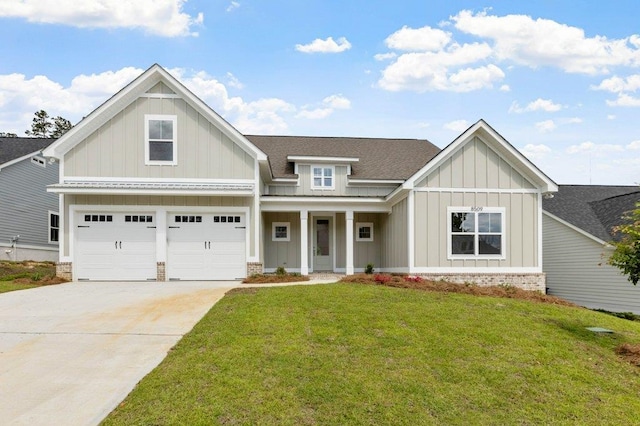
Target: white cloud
[[329, 105], [635, 145], [159, 17], [624, 100], [537, 105], [543, 42], [384, 56], [535, 152], [505, 88], [423, 71], [337, 102], [546, 126], [457, 125], [232, 81], [423, 39], [22, 96], [573, 120], [325, 46], [590, 147], [232, 6], [618, 85], [611, 117]]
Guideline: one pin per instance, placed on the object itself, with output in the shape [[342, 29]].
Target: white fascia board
[[17, 160], [117, 191], [312, 159], [71, 179], [325, 204], [575, 228], [374, 182], [128, 94], [513, 156]]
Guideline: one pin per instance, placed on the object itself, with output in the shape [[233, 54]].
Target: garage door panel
[[115, 246], [206, 247]]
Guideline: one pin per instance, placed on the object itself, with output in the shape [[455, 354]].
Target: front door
[[322, 244]]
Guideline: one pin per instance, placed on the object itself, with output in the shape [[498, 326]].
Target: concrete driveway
[[70, 353]]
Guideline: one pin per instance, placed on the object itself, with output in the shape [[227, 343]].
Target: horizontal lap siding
[[576, 270], [117, 148], [25, 204]]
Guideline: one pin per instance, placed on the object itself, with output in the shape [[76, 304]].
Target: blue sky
[[559, 79]]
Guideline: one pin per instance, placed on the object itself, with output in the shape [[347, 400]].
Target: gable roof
[[131, 92], [16, 149], [500, 145], [594, 209], [378, 159]]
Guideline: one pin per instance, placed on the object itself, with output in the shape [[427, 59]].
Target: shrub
[[415, 279], [381, 278], [369, 269], [281, 271]]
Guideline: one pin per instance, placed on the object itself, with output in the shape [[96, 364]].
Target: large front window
[[322, 177], [476, 232], [160, 132]]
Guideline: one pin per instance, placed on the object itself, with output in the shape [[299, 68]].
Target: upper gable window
[[160, 139], [323, 177]]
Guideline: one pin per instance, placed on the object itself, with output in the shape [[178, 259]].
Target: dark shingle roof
[[379, 158], [593, 208], [12, 148]]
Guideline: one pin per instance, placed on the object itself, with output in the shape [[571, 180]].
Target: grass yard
[[27, 274], [359, 354]]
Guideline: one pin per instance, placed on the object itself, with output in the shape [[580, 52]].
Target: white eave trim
[[374, 182], [311, 159], [19, 159], [147, 187], [575, 228], [480, 127]]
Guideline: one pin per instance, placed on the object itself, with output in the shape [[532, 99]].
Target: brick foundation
[[254, 268], [532, 282], [64, 270], [161, 274]]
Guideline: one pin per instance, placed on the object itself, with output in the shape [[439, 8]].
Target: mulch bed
[[417, 283], [274, 278]]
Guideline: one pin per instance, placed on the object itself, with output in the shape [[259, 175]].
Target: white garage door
[[115, 246], [206, 247]]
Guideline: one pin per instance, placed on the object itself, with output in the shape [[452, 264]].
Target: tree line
[[43, 126]]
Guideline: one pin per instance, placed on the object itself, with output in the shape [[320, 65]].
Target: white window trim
[[49, 213], [364, 224], [323, 167], [174, 119], [39, 161], [476, 210], [274, 225]]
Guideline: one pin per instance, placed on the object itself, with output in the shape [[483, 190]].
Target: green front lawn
[[358, 354]]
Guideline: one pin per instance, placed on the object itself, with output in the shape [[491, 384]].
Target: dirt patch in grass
[[630, 353], [29, 272], [274, 278], [417, 283]]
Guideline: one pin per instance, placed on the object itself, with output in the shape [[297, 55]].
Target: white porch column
[[304, 242], [349, 238]]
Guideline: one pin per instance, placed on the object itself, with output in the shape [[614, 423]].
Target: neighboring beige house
[[154, 185], [577, 225]]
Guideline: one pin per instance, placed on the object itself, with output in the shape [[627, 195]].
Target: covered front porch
[[323, 238]]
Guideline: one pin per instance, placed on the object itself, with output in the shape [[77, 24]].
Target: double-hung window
[[323, 177], [160, 140], [54, 227], [476, 232]]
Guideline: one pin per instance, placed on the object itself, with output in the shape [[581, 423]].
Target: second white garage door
[[206, 247]]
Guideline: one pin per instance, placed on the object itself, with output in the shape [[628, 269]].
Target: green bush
[[369, 269], [281, 271]]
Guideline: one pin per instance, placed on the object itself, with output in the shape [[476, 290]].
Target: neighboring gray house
[[155, 185], [577, 226], [29, 223]]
